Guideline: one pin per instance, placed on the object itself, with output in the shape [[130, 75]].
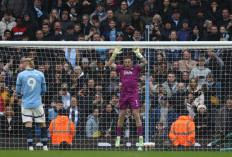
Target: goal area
[[191, 79]]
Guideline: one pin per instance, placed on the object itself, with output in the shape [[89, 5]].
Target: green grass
[[19, 153]]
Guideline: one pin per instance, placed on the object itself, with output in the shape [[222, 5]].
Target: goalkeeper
[[129, 76]]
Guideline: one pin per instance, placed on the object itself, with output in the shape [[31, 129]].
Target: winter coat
[[200, 71], [62, 129], [6, 25], [170, 90], [184, 34], [18, 7], [183, 132], [123, 17], [91, 125]]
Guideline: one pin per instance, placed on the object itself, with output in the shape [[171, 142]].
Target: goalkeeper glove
[[117, 51], [137, 52]]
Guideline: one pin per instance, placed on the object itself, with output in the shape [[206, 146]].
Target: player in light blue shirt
[[31, 85]]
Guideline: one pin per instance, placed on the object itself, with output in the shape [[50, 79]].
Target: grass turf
[[21, 153]]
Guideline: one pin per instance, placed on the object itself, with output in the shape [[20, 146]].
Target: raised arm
[[140, 56], [112, 59]]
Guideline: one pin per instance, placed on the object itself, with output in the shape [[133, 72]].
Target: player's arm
[[18, 86], [114, 55], [44, 88], [140, 56]]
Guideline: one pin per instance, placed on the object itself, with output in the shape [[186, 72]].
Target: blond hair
[[31, 62]]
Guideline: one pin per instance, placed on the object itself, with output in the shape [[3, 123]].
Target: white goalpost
[[192, 79]]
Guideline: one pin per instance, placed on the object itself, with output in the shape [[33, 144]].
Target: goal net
[[183, 81]]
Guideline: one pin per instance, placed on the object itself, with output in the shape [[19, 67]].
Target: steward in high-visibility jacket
[[183, 132], [62, 130]]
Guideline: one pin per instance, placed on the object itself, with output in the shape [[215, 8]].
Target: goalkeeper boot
[[117, 143], [140, 141]]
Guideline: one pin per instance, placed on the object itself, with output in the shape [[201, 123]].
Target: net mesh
[[196, 81]]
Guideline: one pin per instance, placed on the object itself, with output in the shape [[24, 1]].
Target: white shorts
[[28, 114]]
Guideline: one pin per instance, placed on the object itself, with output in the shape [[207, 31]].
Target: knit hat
[[201, 106]]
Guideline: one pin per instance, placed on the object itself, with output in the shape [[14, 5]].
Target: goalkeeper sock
[[140, 130], [29, 136], [44, 136], [119, 131]]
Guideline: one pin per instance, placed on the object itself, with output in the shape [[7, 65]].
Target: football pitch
[[19, 153]]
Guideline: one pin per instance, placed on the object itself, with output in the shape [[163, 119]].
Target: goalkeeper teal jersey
[[31, 85]]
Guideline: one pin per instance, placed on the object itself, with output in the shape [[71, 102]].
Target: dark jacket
[[5, 125]]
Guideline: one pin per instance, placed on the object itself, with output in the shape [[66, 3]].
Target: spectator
[[19, 29], [214, 34], [18, 8], [187, 64], [46, 30], [224, 118], [137, 36], [223, 34], [136, 22], [170, 86], [183, 131], [161, 132], [108, 122], [210, 92], [110, 35], [120, 36], [185, 31], [115, 103], [100, 12], [32, 27], [200, 72], [62, 129], [225, 18], [163, 113], [39, 35], [87, 6], [65, 22], [165, 10], [4, 90], [71, 4], [37, 13], [55, 106], [214, 11], [202, 121], [98, 101], [178, 98], [74, 17], [92, 125], [176, 21], [147, 13], [2, 106], [74, 114], [8, 22], [191, 105], [123, 14], [175, 69], [195, 35], [113, 81], [58, 32], [132, 5], [9, 124], [173, 36], [192, 11], [54, 16], [105, 23], [215, 64], [165, 32], [65, 95]]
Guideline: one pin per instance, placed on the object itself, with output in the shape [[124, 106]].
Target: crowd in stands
[[79, 81]]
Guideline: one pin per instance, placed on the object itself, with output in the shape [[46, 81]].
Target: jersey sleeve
[[119, 68], [18, 85], [137, 67]]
